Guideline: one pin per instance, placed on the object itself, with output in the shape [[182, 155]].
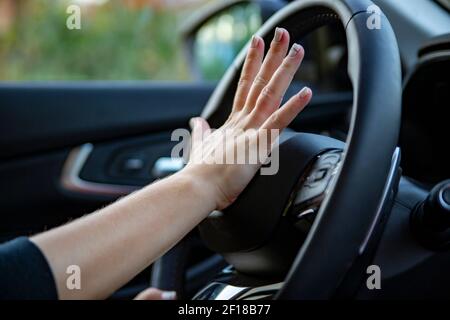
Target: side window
[[142, 40], [117, 40], [220, 39]]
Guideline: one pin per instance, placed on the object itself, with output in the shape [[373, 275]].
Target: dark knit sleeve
[[25, 272]]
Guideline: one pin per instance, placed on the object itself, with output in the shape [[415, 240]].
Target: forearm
[[116, 243]]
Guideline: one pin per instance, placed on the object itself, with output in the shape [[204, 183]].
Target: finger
[[252, 64], [272, 95], [275, 56], [156, 294], [281, 118]]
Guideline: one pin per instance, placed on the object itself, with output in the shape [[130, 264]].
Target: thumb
[[200, 129], [156, 294]]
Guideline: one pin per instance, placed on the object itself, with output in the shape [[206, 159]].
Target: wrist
[[198, 186]]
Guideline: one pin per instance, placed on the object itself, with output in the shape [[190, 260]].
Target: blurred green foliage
[[114, 43]]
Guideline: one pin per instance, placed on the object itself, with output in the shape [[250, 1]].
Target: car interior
[[363, 179]]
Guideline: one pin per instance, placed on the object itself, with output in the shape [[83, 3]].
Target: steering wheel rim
[[358, 196]]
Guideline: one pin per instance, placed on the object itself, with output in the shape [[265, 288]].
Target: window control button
[[133, 165]]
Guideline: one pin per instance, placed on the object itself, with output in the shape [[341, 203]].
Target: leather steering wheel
[[257, 234]]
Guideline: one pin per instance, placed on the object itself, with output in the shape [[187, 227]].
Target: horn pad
[[254, 234]]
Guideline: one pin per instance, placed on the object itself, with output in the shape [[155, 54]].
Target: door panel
[[42, 117], [41, 123]]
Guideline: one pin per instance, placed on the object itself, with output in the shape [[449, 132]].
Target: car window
[[141, 40], [116, 39], [221, 38]]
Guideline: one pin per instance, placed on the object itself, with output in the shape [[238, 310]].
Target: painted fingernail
[[305, 92], [254, 42], [296, 48], [192, 122], [168, 295], [278, 35]]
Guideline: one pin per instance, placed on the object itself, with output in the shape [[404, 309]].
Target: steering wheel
[[314, 226]]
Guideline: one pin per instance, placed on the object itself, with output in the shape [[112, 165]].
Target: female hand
[[254, 116], [156, 294]]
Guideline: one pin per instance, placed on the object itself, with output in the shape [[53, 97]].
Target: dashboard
[[424, 136]]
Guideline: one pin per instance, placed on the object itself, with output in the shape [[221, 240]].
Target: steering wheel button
[[305, 213], [320, 174], [309, 193], [446, 195], [332, 158]]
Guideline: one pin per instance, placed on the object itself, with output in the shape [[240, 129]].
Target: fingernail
[[296, 48], [278, 35], [168, 295], [192, 122], [305, 92], [254, 42]]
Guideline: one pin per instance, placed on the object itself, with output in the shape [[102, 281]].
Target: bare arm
[[116, 243]]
